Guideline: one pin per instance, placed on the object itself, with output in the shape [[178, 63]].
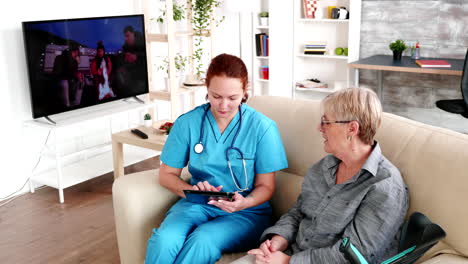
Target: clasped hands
[[271, 251], [238, 201]]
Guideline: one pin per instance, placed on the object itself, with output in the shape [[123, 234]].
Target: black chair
[[418, 235], [458, 106]]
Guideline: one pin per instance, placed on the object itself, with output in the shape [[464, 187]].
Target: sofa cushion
[[446, 259], [434, 164], [297, 121], [287, 189]]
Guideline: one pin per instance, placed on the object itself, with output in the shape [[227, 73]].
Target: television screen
[[75, 63]]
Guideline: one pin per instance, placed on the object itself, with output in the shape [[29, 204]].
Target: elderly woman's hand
[[270, 251], [238, 203]]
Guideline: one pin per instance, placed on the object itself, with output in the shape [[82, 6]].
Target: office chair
[[418, 235], [458, 106]]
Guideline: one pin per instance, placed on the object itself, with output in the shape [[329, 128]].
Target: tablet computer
[[206, 196]]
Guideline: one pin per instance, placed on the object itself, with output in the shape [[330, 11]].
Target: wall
[[441, 27]]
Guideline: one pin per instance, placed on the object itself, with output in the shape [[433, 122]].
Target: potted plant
[[180, 64], [398, 46], [263, 18], [202, 16], [147, 118], [178, 15]]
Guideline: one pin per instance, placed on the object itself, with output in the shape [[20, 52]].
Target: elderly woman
[[355, 192]]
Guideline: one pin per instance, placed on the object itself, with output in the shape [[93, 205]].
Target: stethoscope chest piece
[[198, 148]]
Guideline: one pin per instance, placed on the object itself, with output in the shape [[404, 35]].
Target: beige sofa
[[433, 162]]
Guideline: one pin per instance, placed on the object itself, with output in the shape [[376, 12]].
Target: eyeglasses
[[323, 122]]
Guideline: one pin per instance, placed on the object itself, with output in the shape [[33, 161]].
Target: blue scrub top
[[258, 139]]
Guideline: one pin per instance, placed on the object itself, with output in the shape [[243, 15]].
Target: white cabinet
[[78, 147], [260, 51], [329, 68]]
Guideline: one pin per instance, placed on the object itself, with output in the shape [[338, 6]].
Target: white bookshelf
[[329, 67], [259, 85]]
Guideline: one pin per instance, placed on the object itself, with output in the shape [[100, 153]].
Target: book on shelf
[[433, 63], [314, 52], [315, 47], [261, 44]]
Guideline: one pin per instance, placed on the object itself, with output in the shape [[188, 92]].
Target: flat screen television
[[76, 63]]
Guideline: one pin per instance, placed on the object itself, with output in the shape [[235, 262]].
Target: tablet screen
[[206, 196]]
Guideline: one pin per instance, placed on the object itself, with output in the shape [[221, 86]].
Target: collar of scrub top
[[198, 148]]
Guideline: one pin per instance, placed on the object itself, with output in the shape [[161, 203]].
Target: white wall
[[19, 150]]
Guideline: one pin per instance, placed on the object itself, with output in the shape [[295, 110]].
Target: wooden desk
[[406, 64], [154, 141]]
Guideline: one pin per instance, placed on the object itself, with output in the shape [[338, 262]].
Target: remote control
[[139, 133]]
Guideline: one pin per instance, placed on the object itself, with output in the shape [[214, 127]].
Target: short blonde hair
[[360, 104]]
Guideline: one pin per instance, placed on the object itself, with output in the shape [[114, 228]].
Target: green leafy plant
[[147, 116], [202, 11], [180, 63], [178, 13], [398, 45], [263, 14]]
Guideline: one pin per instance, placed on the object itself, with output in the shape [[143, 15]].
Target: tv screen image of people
[[76, 63]]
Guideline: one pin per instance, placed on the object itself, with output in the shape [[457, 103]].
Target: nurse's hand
[[206, 186], [238, 203]]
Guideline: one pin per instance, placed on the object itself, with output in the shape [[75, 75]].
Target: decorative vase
[[264, 21], [148, 123], [162, 28], [397, 55]]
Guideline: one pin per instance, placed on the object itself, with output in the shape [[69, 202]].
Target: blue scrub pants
[[200, 233]]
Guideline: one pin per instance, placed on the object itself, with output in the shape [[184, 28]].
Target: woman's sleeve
[[287, 225], [176, 149], [270, 155]]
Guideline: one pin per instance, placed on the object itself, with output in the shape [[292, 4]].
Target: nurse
[[207, 138]]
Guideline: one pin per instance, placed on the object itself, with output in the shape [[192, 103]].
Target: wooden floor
[[36, 228]]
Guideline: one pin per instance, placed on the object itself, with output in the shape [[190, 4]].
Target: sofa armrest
[[140, 204]]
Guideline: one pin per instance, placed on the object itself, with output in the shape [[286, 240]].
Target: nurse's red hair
[[229, 66]]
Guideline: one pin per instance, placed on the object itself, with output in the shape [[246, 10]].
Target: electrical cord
[[37, 163]]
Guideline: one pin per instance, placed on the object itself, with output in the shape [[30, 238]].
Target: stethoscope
[[198, 148]]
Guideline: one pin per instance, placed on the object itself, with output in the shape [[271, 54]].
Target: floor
[[36, 228]]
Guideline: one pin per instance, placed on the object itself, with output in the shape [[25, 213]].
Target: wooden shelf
[[262, 57], [154, 37], [166, 95]]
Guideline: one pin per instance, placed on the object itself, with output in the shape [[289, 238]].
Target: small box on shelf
[[264, 70]]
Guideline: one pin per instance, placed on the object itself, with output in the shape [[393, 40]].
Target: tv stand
[[138, 99], [80, 147], [50, 120]]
